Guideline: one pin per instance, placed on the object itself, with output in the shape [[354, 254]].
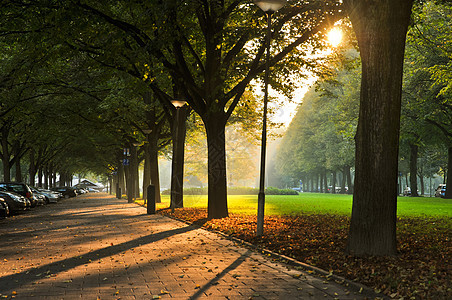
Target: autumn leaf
[[421, 267]]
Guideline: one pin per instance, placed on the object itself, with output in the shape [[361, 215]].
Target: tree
[[319, 139], [212, 50], [380, 28], [429, 64]]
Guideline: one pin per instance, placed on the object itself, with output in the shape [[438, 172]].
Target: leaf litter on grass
[[421, 270]]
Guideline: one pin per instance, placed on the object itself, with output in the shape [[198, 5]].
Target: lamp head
[[270, 6], [178, 103]]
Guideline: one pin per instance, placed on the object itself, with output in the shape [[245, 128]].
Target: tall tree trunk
[[18, 168], [421, 179], [414, 150], [53, 176], [325, 182], [316, 183], [40, 176], [146, 169], [448, 194], [46, 177], [129, 184], [217, 189], [5, 157], [344, 180], [321, 182], [154, 166], [333, 182], [32, 168], [177, 164], [380, 28], [133, 169]]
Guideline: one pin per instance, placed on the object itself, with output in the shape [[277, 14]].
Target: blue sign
[[125, 162]]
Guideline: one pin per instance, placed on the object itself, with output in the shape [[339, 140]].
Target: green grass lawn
[[315, 203]]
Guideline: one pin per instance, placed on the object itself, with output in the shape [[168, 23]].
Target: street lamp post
[[134, 171], [269, 7], [176, 197]]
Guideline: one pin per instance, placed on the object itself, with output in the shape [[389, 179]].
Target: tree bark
[[146, 169], [5, 157], [18, 176], [121, 176], [448, 194], [421, 179], [380, 28], [321, 182], [344, 180], [40, 176], [154, 166], [129, 184], [32, 168], [177, 165], [414, 150], [46, 177], [333, 182], [217, 189]]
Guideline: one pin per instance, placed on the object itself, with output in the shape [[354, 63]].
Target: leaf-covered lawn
[[421, 270]]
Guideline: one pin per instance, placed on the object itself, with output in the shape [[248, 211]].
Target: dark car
[[4, 209], [67, 191], [15, 201], [21, 189]]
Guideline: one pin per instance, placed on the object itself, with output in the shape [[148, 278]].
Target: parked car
[[39, 198], [66, 191], [51, 196], [439, 190], [21, 189], [15, 201], [80, 190], [4, 209], [443, 191], [407, 191]]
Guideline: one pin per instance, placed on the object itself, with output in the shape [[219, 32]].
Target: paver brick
[[100, 247]]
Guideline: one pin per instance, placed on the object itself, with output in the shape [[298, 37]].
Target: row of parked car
[[18, 196]]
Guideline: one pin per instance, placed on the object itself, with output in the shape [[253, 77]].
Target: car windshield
[[13, 187]]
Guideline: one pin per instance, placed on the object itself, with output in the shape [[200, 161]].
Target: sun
[[334, 37]]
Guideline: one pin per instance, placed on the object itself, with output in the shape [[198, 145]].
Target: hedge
[[237, 191]]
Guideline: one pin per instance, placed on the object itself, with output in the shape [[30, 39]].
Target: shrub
[[275, 191]]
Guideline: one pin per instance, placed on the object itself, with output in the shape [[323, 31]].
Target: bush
[[275, 191], [239, 190]]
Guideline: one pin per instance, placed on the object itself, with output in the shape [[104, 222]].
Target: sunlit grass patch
[[316, 203]]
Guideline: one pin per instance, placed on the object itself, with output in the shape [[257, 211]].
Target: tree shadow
[[12, 282], [215, 280]]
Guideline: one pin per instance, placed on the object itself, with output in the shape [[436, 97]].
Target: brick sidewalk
[[99, 247]]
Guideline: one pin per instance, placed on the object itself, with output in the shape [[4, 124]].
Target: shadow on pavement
[[215, 280], [12, 282]]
